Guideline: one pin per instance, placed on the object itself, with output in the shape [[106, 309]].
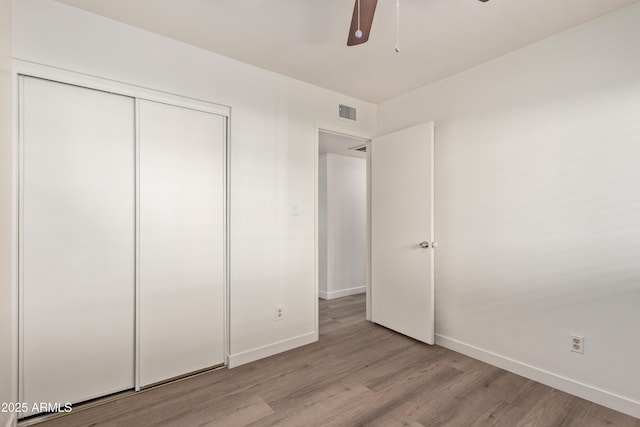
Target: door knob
[[424, 245]]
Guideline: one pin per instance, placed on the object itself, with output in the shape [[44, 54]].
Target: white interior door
[[77, 246], [182, 240], [401, 224]]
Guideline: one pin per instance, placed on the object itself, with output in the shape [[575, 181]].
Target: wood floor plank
[[357, 374], [501, 414], [557, 409], [307, 409], [399, 401], [599, 416], [239, 411], [466, 391]]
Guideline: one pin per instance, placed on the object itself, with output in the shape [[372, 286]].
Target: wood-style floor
[[357, 374]]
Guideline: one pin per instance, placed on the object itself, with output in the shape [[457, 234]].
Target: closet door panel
[[77, 242], [182, 208]]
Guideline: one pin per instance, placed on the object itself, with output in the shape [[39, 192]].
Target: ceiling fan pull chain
[[358, 31], [397, 48]]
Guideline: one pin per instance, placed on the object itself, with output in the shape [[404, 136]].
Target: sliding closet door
[[77, 247], [182, 230]]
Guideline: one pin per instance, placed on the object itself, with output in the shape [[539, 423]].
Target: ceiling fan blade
[[367, 10]]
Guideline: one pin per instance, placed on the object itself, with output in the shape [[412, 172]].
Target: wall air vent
[[347, 112]]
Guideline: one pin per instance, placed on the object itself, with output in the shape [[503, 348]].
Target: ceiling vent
[[347, 112], [360, 148]]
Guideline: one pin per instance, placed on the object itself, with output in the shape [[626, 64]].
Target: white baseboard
[[342, 292], [271, 349], [12, 421], [593, 394]]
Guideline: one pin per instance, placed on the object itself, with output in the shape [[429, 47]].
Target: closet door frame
[[28, 69]]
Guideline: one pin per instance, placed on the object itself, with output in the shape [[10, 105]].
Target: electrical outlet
[[279, 312], [577, 343]]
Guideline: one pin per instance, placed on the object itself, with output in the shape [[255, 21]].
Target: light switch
[[295, 209]]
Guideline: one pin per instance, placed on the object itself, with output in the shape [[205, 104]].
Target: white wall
[[7, 379], [272, 150], [342, 225], [537, 199]]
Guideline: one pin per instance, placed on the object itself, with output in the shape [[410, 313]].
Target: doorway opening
[[398, 226], [343, 250]]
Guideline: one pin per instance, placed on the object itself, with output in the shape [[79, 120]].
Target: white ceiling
[[306, 39]]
